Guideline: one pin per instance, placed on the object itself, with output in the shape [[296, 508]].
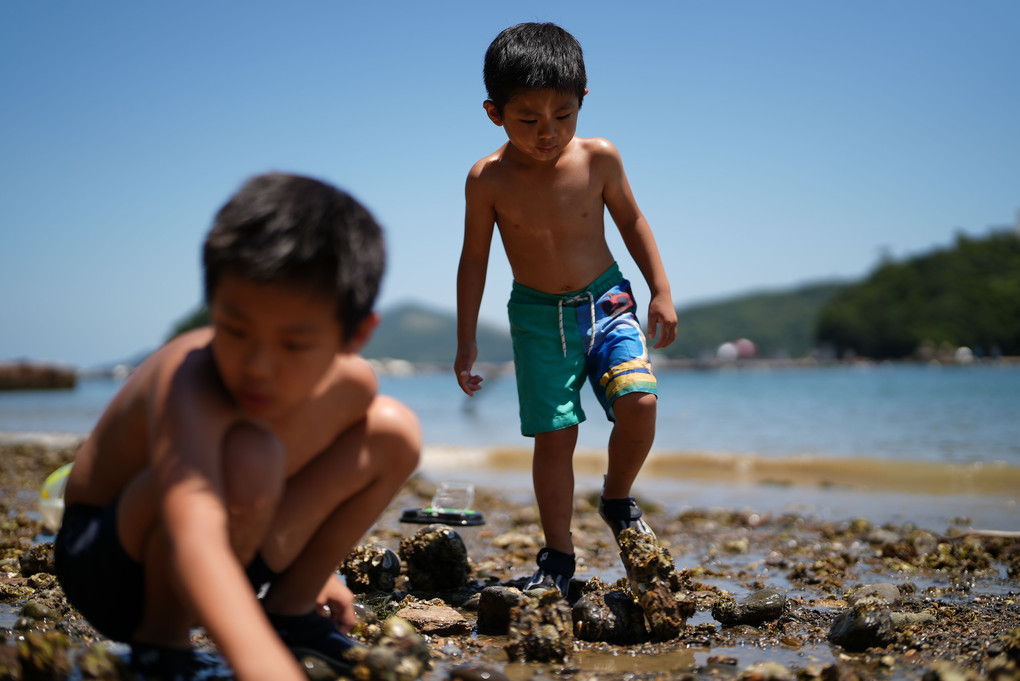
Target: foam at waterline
[[868, 474]]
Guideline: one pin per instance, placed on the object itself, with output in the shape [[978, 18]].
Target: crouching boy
[[249, 456]]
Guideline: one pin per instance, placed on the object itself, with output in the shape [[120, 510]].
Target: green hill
[[968, 294], [410, 331], [781, 323], [420, 334], [965, 295]]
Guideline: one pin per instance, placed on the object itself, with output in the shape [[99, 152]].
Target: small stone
[[763, 605], [434, 620], [494, 606], [889, 594], [473, 673], [863, 627]]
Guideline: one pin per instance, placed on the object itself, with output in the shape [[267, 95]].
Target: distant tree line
[[779, 323], [966, 295]]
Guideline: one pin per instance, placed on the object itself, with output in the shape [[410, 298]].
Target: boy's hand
[[336, 601], [469, 383], [662, 320]]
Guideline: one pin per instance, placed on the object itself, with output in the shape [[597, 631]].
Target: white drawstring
[[591, 306]]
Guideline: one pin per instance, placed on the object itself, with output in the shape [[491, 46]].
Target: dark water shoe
[[620, 514], [316, 636]]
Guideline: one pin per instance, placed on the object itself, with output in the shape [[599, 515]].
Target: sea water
[[877, 411]]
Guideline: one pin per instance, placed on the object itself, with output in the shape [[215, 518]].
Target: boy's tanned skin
[[262, 433], [546, 190]]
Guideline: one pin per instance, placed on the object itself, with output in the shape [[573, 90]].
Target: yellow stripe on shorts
[[635, 375]]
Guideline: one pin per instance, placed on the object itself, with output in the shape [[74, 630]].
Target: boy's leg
[[254, 466], [629, 445], [630, 442], [553, 476], [329, 505], [552, 471]]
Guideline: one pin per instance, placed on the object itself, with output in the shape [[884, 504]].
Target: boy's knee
[[254, 467], [394, 431], [636, 406]]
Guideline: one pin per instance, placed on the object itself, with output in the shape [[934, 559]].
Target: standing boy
[[571, 312], [247, 456]]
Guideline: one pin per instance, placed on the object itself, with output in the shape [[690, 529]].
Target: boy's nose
[[258, 361]]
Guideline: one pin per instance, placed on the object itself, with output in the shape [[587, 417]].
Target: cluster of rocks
[[443, 605]]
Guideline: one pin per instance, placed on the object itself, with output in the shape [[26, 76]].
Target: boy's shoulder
[[501, 160], [488, 164], [598, 147]]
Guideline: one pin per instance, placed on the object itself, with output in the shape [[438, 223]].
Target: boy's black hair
[[531, 56], [297, 230]]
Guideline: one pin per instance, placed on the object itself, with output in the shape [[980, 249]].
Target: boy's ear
[[493, 112], [363, 333]]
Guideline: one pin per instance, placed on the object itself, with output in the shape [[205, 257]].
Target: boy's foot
[[317, 636], [555, 569], [154, 662], [620, 514]]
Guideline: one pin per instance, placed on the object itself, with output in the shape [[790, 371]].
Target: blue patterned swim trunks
[[561, 339]]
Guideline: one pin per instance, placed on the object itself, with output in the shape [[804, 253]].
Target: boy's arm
[[189, 424], [479, 219], [637, 236]]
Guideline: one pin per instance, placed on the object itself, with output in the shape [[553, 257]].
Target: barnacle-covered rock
[[541, 629], [763, 605], [44, 655], [400, 654], [37, 559], [436, 558], [370, 568], [609, 615], [656, 585]]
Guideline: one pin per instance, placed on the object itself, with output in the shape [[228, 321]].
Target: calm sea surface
[[912, 412]]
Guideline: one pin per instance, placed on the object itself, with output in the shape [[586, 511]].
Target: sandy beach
[[735, 526]]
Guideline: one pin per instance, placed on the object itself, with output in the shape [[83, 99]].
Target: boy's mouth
[[253, 401]]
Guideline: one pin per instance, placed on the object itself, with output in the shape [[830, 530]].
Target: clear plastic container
[[454, 496]]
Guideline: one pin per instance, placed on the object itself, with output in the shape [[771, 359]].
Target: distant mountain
[[780, 323], [420, 334]]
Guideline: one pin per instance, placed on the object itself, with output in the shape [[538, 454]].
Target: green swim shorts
[[559, 340]]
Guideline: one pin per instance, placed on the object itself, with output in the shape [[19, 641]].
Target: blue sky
[[768, 143]]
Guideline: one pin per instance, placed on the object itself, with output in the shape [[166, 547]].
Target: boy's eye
[[528, 121], [230, 330], [297, 347], [564, 117]]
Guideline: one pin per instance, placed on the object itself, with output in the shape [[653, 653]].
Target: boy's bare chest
[[542, 201]]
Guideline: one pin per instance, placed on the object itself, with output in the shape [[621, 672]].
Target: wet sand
[[733, 524]]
